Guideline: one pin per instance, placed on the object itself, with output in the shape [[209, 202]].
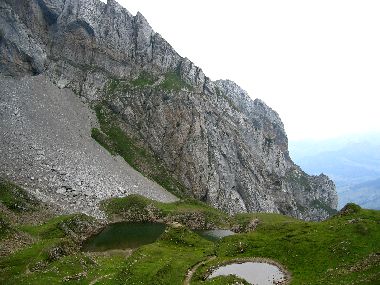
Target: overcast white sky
[[317, 63]]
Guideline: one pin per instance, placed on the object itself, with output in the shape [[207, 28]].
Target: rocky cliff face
[[220, 145], [46, 146]]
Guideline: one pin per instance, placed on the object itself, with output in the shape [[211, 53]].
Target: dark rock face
[[225, 148]]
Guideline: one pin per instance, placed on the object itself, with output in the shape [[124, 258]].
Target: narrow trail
[[191, 272], [99, 278]]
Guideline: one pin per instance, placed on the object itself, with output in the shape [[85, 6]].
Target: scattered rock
[[77, 276]]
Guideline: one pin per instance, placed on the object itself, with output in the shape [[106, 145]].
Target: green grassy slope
[[342, 250], [190, 212]]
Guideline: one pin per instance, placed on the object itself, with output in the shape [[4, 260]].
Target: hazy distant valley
[[353, 162]]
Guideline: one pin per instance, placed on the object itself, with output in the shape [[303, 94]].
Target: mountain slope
[[222, 147], [46, 145]]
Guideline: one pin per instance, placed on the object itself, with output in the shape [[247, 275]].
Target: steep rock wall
[[224, 148]]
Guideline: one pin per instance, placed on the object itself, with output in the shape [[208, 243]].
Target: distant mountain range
[[352, 162]]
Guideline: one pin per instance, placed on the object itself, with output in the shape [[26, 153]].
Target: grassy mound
[[341, 250], [54, 254], [189, 212]]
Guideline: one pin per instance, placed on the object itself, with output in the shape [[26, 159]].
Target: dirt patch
[[108, 253], [15, 241]]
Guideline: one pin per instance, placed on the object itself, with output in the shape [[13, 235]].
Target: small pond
[[214, 235], [124, 235], [257, 273]]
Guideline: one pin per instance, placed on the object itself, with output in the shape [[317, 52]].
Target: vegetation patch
[[192, 213], [320, 205], [62, 226], [144, 79], [117, 85], [103, 140], [174, 82], [4, 227], [15, 198], [350, 209]]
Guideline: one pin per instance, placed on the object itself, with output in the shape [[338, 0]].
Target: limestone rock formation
[[223, 147], [46, 147]]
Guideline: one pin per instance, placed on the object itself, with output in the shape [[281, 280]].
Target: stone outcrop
[[225, 148]]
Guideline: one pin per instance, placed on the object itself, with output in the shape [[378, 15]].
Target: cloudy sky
[[317, 63]]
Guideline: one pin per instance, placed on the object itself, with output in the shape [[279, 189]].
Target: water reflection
[[257, 273], [124, 235]]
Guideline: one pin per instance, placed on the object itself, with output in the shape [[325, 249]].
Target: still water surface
[[253, 272], [124, 235], [132, 235]]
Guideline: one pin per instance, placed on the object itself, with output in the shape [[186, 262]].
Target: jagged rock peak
[[240, 97]]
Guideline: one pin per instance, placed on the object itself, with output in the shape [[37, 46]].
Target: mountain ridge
[[221, 146]]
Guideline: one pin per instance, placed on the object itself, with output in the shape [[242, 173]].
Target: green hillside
[[342, 250]]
